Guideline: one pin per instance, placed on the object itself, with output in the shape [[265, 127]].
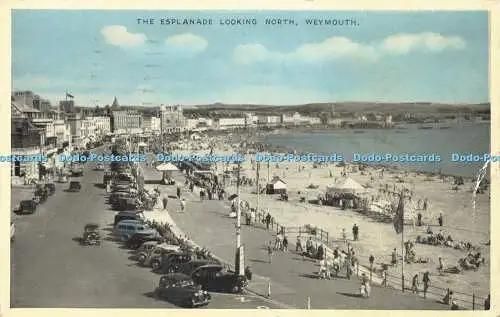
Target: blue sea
[[465, 137]]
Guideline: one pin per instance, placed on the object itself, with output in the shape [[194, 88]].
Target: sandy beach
[[379, 239]]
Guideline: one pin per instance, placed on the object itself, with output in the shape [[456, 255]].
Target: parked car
[[139, 238], [173, 262], [77, 171], [27, 207], [128, 215], [216, 278], [12, 230], [143, 250], [126, 228], [189, 267], [154, 256], [74, 186], [50, 188], [91, 235], [115, 196], [181, 290]]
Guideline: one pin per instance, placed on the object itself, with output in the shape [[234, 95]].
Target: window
[[122, 227], [140, 228], [131, 228]]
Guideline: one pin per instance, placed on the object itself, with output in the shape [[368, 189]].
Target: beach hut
[[276, 186]]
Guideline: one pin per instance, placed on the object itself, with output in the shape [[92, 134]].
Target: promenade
[[291, 277]]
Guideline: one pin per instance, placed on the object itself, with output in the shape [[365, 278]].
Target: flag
[[70, 95], [399, 216]]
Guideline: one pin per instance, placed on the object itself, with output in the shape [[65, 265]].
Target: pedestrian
[[440, 219], [414, 284], [426, 280], [487, 303], [419, 219], [165, 202], [394, 258], [384, 276], [355, 232], [348, 269], [448, 298], [285, 244], [298, 245], [425, 204], [183, 205], [178, 192], [268, 220], [108, 187], [365, 284], [441, 265], [344, 235], [248, 273], [270, 252]]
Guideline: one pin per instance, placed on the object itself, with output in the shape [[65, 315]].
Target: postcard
[[250, 159]]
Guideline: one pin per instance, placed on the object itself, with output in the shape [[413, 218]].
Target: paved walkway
[[291, 277]]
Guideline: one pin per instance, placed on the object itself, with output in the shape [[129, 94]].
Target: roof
[[168, 246], [23, 108], [130, 221], [276, 179], [177, 277]]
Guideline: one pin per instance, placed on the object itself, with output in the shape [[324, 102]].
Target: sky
[[375, 56]]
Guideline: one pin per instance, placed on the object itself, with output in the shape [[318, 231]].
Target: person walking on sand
[[426, 280], [298, 245], [440, 219], [355, 232], [440, 266], [344, 235], [394, 258], [425, 204]]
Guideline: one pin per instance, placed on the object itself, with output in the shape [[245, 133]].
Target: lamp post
[[239, 257]]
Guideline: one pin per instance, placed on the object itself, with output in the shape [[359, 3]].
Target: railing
[[464, 300]]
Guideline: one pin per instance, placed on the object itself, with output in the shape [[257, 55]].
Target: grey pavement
[[291, 277], [49, 269]]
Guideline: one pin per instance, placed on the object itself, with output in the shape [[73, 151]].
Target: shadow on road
[[99, 185], [153, 182], [77, 239], [350, 294], [309, 275], [259, 261]]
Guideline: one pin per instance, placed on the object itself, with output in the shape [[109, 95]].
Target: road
[[290, 275], [49, 269]]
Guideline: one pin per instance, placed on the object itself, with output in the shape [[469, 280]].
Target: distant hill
[[359, 107]]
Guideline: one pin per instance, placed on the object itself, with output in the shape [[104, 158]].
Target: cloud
[[118, 35], [335, 48], [188, 41], [430, 42], [272, 94]]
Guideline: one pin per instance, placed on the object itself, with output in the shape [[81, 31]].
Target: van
[[127, 228]]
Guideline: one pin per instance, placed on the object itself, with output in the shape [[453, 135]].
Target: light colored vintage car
[[153, 258]]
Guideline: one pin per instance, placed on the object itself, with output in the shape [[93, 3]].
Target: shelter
[[346, 186], [276, 186]]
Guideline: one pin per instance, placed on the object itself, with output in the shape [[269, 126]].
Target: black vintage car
[[181, 290], [74, 186], [50, 188], [189, 267], [91, 235], [41, 194], [27, 207], [139, 238], [216, 278], [173, 262]]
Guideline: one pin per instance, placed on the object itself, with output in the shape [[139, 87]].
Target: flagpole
[[402, 245], [258, 187]]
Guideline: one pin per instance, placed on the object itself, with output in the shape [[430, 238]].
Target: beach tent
[[166, 167], [276, 186], [346, 186]]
